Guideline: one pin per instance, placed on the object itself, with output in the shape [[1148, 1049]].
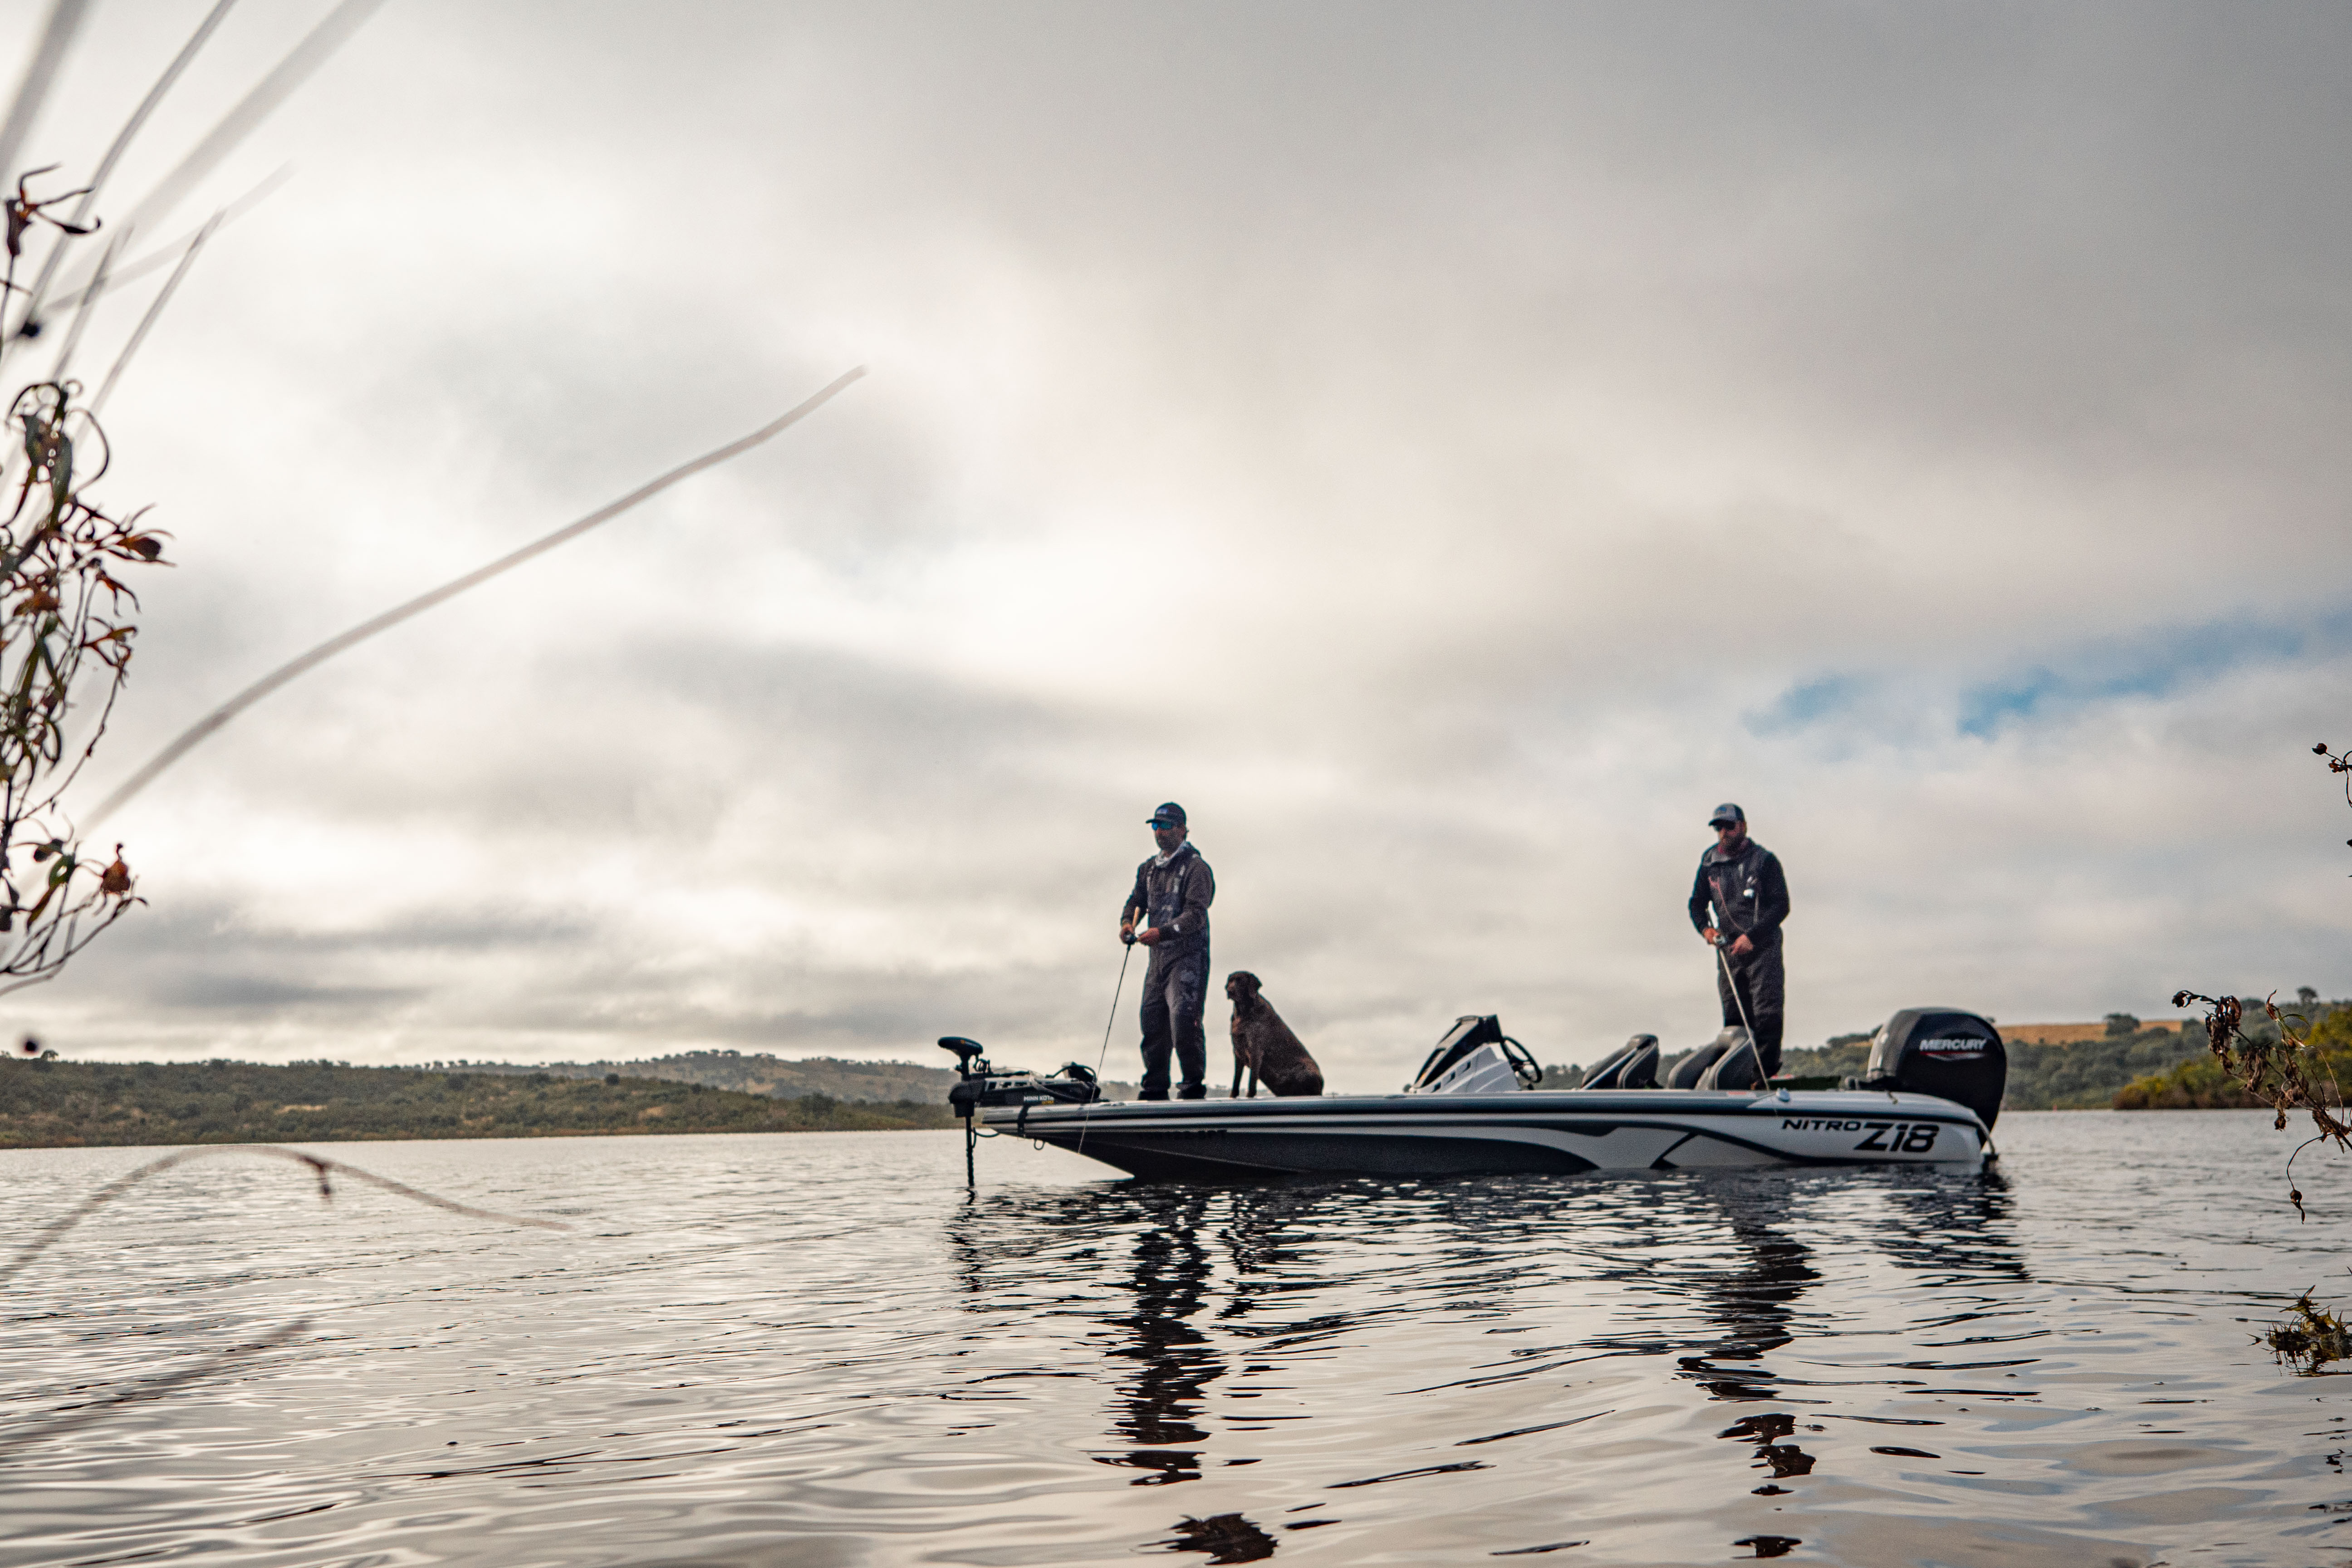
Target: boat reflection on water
[[1754, 1300], [1183, 1295], [1150, 1249], [1171, 1362], [1147, 1248], [1954, 1226]]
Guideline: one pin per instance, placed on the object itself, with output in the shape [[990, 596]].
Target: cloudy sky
[[1447, 448]]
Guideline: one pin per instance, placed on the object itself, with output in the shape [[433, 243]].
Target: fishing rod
[[1102, 1058], [1722, 956]]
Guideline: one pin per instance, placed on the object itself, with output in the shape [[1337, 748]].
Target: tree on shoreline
[[2205, 1082]]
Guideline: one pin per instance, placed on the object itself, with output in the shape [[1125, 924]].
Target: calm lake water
[[816, 1350]]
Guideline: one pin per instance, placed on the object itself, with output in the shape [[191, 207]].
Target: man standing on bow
[[1742, 880], [1170, 903]]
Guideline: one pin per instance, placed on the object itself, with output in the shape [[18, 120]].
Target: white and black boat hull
[[1564, 1131]]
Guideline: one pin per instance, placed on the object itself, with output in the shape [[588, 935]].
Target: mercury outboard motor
[[1941, 1051], [1634, 1065]]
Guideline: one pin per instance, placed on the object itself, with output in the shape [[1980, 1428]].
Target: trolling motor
[[980, 1085]]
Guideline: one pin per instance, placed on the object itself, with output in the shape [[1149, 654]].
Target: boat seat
[[1634, 1065], [1735, 1068]]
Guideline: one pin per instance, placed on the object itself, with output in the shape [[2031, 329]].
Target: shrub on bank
[[2201, 1083]]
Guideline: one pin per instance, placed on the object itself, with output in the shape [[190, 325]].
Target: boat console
[[1476, 1058]]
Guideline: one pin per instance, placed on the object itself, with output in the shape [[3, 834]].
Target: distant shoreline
[[52, 1104]]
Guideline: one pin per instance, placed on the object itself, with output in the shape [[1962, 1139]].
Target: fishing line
[[1104, 1055]]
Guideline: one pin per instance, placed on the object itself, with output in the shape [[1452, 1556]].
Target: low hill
[[2085, 1075], [49, 1104], [880, 1083], [2077, 1034]]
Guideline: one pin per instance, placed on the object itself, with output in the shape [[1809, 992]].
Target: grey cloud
[[267, 994], [1449, 449]]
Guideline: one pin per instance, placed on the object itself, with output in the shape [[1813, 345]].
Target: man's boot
[[1194, 1092]]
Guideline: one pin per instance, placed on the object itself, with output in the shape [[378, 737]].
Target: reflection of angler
[[1754, 1304], [1175, 1362]]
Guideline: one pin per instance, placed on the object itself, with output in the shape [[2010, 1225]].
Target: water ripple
[[819, 1350]]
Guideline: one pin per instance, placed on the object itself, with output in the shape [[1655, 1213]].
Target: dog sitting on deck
[[1263, 1045]]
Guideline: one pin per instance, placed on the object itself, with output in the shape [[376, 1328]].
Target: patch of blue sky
[[1806, 704], [2153, 665]]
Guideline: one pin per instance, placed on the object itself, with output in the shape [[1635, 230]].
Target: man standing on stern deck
[[1742, 880], [1171, 896]]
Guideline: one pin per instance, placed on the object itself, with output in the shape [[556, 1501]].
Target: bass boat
[[1929, 1096]]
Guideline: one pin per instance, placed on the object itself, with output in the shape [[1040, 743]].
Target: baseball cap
[[1724, 813], [1168, 816]]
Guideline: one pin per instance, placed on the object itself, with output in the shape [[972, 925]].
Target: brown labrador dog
[[1263, 1045]]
